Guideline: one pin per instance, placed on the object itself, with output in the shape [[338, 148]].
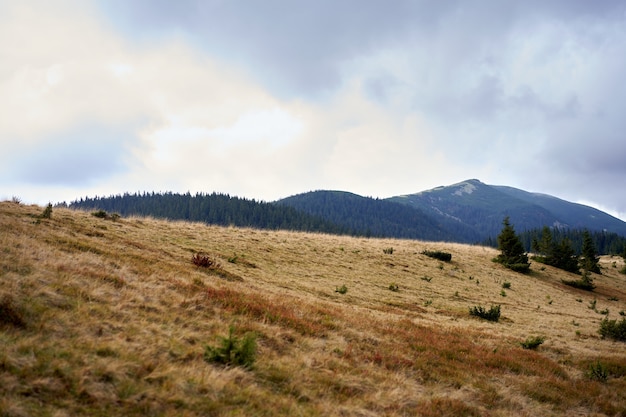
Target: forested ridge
[[324, 212], [215, 208], [370, 216], [351, 215]]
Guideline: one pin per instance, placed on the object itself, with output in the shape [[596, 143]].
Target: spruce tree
[[589, 258], [544, 247], [564, 257], [512, 251]]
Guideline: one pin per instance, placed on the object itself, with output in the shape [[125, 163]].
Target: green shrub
[[233, 351], [101, 214], [581, 284], [493, 314], [533, 342], [394, 287], [341, 290], [597, 372], [388, 251], [442, 256], [506, 285], [47, 212], [613, 329], [519, 267]]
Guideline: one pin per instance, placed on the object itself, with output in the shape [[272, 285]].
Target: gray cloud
[[528, 94], [294, 47]]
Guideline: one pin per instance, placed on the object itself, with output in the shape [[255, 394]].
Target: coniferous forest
[[328, 212], [215, 208], [606, 243]]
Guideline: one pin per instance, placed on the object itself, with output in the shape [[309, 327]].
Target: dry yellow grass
[[112, 318]]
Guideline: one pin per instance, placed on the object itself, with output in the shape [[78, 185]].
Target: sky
[[267, 99]]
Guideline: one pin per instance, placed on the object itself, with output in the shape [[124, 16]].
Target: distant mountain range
[[468, 212], [481, 208]]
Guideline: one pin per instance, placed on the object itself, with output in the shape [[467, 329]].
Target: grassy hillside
[[104, 317]]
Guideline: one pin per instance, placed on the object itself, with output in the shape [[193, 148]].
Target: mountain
[[368, 216], [467, 212], [570, 215], [479, 207]]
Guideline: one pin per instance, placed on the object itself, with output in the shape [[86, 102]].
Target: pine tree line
[[215, 208], [557, 253], [606, 243]]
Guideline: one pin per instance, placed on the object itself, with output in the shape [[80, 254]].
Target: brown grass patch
[[104, 318], [306, 320]]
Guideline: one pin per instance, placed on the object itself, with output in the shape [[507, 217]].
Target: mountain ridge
[[466, 212], [483, 207]]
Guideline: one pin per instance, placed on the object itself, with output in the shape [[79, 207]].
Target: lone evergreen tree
[[512, 251], [589, 257]]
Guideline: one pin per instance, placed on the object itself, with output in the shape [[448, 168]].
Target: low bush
[[394, 287], [388, 251], [341, 290], [101, 214], [597, 372], [506, 285], [533, 342], [47, 212], [233, 351], [613, 329], [493, 314], [520, 267], [442, 256], [581, 284]]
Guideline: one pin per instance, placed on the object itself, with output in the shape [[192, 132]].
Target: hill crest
[[114, 318]]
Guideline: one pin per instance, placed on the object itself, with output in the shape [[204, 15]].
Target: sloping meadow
[[112, 316]]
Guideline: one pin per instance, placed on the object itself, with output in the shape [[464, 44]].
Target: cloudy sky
[[265, 99]]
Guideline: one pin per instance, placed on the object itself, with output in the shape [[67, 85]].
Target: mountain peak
[[466, 187]]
